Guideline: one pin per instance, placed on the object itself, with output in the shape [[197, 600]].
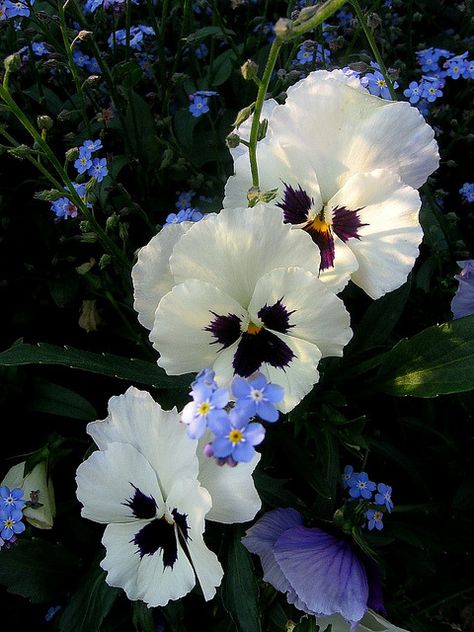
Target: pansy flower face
[[245, 298], [144, 483], [346, 165]]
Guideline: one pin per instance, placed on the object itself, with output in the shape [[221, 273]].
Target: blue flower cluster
[[235, 435], [437, 64], [95, 167], [84, 61], [11, 515], [184, 215], [311, 52], [137, 36], [64, 208], [199, 101], [467, 192], [378, 498], [117, 5], [373, 81]]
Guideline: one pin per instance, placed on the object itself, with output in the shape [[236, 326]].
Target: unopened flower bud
[[243, 115], [374, 20], [12, 62], [232, 141], [89, 238], [208, 450], [86, 267], [104, 261], [283, 27], [83, 35], [44, 121], [111, 222], [249, 70], [253, 196], [72, 154], [89, 320]]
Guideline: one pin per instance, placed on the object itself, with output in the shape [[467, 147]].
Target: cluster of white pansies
[[346, 165], [151, 486], [239, 292]]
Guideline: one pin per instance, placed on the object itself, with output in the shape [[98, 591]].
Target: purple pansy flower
[[255, 396], [463, 301], [322, 574]]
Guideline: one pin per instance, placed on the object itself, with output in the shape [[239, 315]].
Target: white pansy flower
[[243, 296], [144, 483], [346, 165]]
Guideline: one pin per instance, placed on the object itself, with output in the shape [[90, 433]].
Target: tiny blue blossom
[[384, 496], [84, 161], [413, 92], [98, 170], [11, 498], [205, 376], [64, 208], [51, 612], [201, 51], [17, 9], [467, 191], [10, 523], [455, 66], [236, 437], [206, 409], [347, 475], [255, 396], [468, 72], [345, 18], [184, 215], [199, 106], [80, 59], [184, 199], [360, 486], [92, 145], [39, 48], [374, 518], [376, 84], [431, 90]]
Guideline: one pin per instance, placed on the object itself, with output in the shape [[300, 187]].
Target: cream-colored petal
[[233, 249], [135, 418], [179, 333], [388, 245], [316, 314], [151, 274]]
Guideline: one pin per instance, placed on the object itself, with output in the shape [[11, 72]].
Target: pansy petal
[[122, 561], [194, 502], [299, 377], [388, 244], [181, 332], [135, 418], [232, 489], [233, 249], [151, 275], [121, 470], [324, 571], [316, 315]]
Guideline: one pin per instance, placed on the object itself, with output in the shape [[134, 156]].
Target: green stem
[[262, 91], [128, 24], [108, 244], [309, 20], [370, 38], [72, 63]]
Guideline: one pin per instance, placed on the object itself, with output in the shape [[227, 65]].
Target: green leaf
[[240, 590], [129, 369], [201, 34], [141, 129], [222, 67], [306, 624], [38, 570], [142, 617], [89, 605], [57, 400], [379, 320], [437, 361]]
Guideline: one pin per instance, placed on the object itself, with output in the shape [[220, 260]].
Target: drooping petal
[[388, 244], [151, 275], [135, 418], [121, 470], [232, 489], [233, 249], [316, 314], [324, 571], [260, 539], [183, 332], [194, 502]]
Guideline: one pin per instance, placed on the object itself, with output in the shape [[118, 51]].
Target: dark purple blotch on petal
[[276, 317], [346, 223], [325, 242], [255, 349], [295, 205], [225, 329], [181, 521], [142, 506], [158, 534]]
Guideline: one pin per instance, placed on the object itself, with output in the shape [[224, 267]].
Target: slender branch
[[370, 38]]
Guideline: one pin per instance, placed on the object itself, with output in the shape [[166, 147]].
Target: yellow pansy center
[[318, 224], [235, 436], [204, 408], [253, 329]]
